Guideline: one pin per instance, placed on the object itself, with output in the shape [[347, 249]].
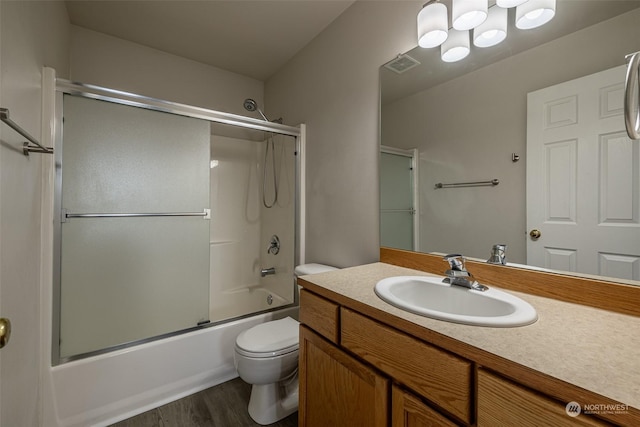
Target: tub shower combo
[[170, 221]]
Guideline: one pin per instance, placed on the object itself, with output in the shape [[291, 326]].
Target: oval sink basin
[[430, 297]]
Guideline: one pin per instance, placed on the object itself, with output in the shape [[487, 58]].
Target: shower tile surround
[[241, 226], [570, 345]]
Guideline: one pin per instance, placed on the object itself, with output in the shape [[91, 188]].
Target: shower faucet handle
[[274, 245]]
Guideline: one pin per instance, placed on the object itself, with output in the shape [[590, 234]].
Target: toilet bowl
[[266, 356]]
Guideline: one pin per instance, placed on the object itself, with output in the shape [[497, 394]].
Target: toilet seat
[[271, 354], [269, 339]]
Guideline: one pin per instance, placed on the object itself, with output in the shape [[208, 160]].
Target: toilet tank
[[312, 268]]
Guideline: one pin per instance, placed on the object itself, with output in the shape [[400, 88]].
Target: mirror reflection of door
[[577, 148], [398, 199]]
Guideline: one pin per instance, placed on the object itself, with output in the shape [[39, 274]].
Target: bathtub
[[105, 389], [236, 303]]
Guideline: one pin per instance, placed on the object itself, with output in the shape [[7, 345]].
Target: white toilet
[[266, 356]]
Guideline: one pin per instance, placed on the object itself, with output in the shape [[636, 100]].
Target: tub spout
[[267, 271]]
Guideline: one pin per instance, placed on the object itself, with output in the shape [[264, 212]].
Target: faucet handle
[[498, 254], [456, 262], [274, 245]]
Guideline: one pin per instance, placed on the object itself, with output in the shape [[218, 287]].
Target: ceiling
[[254, 38]]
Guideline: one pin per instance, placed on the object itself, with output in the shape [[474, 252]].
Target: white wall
[[332, 85], [33, 34], [111, 62], [466, 130]]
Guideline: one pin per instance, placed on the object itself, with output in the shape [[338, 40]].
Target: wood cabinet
[[336, 389], [503, 402], [320, 314], [349, 361], [439, 376], [409, 411]]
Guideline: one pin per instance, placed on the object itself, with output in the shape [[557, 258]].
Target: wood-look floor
[[224, 405]]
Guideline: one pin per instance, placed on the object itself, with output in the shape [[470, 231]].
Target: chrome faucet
[[458, 275], [498, 254]]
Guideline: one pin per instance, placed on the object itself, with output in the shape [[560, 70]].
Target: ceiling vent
[[401, 63]]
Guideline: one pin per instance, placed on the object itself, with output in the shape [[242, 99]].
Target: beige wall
[[114, 63], [33, 34], [466, 130], [332, 85]]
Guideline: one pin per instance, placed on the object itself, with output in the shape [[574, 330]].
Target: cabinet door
[[336, 390], [502, 402], [409, 411], [439, 376]]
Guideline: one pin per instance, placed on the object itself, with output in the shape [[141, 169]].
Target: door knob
[[535, 234], [5, 331]]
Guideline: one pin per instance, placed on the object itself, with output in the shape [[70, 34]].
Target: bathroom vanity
[[364, 362]]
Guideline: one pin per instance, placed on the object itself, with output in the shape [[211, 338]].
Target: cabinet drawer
[[409, 411], [502, 402], [320, 314], [438, 376]]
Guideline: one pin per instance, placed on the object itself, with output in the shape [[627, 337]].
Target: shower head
[[251, 105]]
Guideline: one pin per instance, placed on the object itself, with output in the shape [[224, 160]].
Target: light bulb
[[468, 14], [493, 30], [489, 34], [456, 47], [535, 13]]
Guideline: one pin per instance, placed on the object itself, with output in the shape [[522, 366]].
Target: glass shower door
[[134, 242], [396, 201]]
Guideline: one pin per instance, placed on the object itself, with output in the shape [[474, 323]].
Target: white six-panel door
[[583, 178]]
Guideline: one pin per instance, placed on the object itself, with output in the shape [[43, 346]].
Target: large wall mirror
[[477, 120]]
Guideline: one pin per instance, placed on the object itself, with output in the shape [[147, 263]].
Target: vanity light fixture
[[535, 13], [493, 30], [489, 24], [509, 3], [468, 14], [456, 47], [433, 24]]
